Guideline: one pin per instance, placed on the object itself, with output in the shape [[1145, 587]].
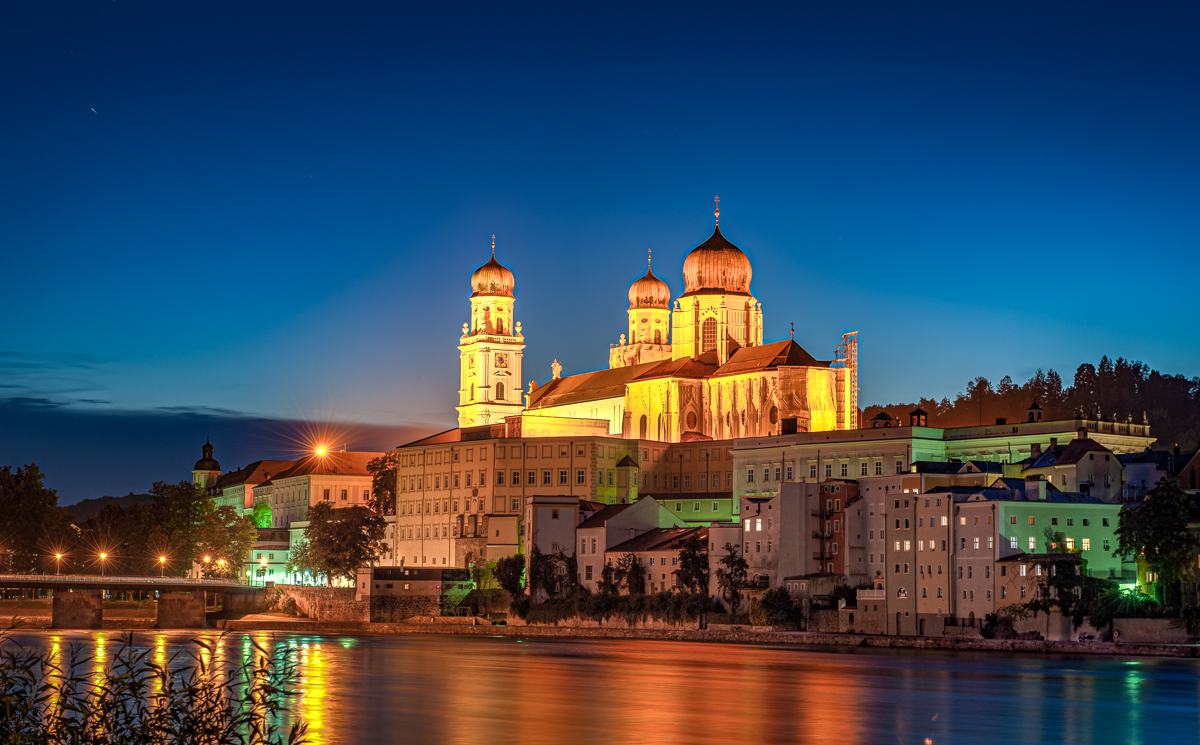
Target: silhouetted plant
[[135, 700]]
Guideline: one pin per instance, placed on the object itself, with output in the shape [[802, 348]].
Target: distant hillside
[[1121, 388], [88, 507]]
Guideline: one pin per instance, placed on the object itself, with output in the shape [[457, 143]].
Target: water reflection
[[500, 690]]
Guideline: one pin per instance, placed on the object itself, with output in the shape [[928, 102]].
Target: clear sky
[[216, 212]]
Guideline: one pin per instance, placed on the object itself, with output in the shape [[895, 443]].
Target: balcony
[[822, 536]]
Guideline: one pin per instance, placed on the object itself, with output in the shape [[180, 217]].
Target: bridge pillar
[[238, 604], [180, 609], [77, 609]]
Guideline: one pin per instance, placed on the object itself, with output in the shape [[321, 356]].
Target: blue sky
[[270, 211]]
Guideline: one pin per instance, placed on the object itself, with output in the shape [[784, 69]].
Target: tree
[[1064, 587], [383, 483], [509, 573], [337, 542], [693, 565], [27, 508], [731, 576], [262, 515], [775, 608], [541, 573], [1157, 531], [630, 573], [610, 583], [224, 534], [182, 509]]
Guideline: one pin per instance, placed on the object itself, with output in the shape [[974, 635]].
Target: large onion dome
[[716, 265], [492, 278], [649, 292]]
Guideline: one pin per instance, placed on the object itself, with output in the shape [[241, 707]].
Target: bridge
[[78, 598]]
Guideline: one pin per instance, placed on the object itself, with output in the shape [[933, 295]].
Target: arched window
[[499, 391], [657, 336], [642, 427], [708, 335]]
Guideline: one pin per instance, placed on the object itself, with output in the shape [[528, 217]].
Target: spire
[[493, 245], [793, 332], [717, 211], [648, 257]]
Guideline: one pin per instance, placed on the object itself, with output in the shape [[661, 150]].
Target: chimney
[[1035, 489], [1035, 451], [1053, 442], [1081, 433], [1177, 450]]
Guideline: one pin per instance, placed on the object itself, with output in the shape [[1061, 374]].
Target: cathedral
[[690, 370]]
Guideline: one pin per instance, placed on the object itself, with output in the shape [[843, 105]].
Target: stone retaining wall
[[1149, 630], [400, 608], [736, 637], [335, 604]]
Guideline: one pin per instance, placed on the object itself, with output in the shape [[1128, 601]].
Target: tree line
[[180, 526], [1116, 388]]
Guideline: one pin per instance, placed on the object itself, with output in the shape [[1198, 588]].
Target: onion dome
[[492, 278], [649, 292], [207, 463], [716, 266]]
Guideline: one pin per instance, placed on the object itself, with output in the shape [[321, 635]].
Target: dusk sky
[[226, 218]]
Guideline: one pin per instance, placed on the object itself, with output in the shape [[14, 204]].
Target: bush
[[670, 607], [775, 608], [135, 700]]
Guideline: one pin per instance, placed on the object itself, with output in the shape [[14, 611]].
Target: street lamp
[[57, 564], [263, 563], [162, 566], [102, 558], [205, 569]]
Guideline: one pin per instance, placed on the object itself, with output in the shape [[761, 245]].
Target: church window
[[642, 425], [774, 415], [708, 335], [499, 391], [691, 420], [657, 336]]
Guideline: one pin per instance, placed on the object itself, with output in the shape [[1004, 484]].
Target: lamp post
[[263, 563], [205, 569], [102, 558], [162, 566], [57, 564]]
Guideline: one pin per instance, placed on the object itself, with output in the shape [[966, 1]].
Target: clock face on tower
[[501, 360]]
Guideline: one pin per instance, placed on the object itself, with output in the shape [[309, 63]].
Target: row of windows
[[1085, 522]]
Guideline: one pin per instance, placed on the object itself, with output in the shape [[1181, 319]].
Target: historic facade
[[698, 369]]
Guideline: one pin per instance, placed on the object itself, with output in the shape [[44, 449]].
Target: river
[[498, 690]]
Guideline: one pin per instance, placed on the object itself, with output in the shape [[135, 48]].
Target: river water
[[499, 690]]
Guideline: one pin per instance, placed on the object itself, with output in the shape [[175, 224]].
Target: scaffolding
[[845, 358]]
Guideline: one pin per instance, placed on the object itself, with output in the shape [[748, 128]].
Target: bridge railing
[[118, 580]]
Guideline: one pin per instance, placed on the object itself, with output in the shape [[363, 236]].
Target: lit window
[[1087, 544]]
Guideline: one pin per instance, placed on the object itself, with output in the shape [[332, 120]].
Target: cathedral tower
[[490, 350], [649, 337], [716, 312], [206, 471]]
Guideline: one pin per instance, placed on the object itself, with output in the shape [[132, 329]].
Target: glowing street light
[[321, 450], [57, 564], [162, 566], [102, 558], [263, 563]]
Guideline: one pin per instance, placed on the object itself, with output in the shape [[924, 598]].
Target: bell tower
[[207, 470], [490, 350]]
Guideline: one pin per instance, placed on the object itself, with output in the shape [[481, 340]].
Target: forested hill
[[88, 507], [1121, 388]]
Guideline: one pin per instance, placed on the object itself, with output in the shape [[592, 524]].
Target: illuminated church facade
[[693, 369]]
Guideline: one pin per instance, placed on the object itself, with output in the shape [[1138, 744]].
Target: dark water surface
[[497, 690]]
